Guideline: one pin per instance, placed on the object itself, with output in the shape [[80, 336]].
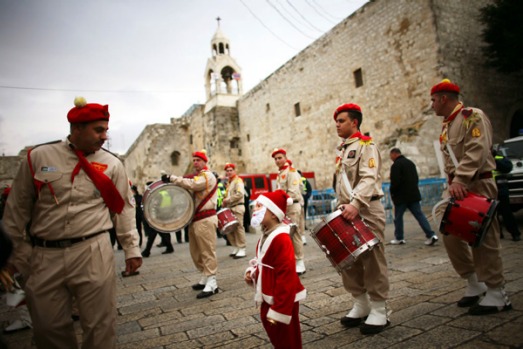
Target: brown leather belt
[[63, 243], [482, 175]]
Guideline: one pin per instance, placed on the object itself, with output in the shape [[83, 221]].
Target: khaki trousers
[[202, 245], [369, 272], [237, 237], [484, 260], [85, 271], [294, 213]]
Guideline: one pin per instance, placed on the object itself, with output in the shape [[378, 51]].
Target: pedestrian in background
[[405, 194]]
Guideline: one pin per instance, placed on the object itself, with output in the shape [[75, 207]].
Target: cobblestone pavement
[[158, 308]]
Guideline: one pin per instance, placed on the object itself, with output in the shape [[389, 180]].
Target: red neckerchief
[[361, 136], [453, 115], [112, 197], [284, 167]]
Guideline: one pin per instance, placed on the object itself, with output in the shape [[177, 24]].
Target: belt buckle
[[64, 243]]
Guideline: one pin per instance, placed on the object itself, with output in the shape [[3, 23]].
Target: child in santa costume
[[273, 273]]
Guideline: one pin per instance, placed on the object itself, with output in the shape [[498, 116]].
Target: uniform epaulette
[[292, 169], [48, 143], [466, 112]]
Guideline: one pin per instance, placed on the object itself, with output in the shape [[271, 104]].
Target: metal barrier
[[323, 202]]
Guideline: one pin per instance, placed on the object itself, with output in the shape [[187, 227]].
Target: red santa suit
[[278, 287]]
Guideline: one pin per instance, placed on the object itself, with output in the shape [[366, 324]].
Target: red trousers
[[283, 336]]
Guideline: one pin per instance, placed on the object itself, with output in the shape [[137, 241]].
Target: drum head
[[167, 207]]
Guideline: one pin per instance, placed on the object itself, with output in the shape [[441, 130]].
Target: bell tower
[[223, 79]]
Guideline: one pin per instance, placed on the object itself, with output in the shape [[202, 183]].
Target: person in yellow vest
[[235, 201], [202, 230], [289, 180], [358, 190], [466, 143], [67, 195]]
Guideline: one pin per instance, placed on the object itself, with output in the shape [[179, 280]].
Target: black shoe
[[372, 329], [352, 321], [206, 294], [146, 254], [198, 287], [466, 302], [75, 317], [168, 251], [487, 309], [160, 245]]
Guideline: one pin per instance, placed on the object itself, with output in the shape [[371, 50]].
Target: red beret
[[278, 151], [201, 155], [444, 86], [346, 107], [227, 165], [83, 112]]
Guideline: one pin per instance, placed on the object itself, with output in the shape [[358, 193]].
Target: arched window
[[175, 158]]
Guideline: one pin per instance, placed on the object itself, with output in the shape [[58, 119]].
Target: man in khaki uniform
[[358, 189], [289, 181], [202, 230], [235, 201], [466, 143], [68, 194]]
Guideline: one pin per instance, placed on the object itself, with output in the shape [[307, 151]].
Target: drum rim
[[329, 218], [160, 227]]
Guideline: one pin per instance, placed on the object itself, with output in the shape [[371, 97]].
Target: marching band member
[[234, 200], [466, 142], [358, 189]]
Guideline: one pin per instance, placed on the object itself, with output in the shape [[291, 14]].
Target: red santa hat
[[276, 202], [229, 165], [200, 154], [83, 112], [346, 107], [278, 151], [444, 86]]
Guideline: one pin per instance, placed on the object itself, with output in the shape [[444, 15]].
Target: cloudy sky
[[145, 58]]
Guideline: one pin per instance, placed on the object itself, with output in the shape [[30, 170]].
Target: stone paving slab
[[158, 309]]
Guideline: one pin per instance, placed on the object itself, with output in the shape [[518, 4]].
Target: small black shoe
[[168, 251], [206, 294], [146, 254], [198, 287], [466, 302], [75, 317], [487, 309], [372, 329], [352, 321], [160, 245]]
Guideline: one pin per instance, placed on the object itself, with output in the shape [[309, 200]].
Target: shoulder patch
[[466, 113], [48, 143], [372, 163]]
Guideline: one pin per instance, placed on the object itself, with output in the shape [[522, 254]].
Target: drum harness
[[483, 175]]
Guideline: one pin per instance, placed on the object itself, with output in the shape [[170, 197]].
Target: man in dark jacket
[[405, 195]]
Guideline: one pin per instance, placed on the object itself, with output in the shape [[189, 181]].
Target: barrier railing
[[323, 202]]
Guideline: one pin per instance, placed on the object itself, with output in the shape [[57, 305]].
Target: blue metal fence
[[323, 202]]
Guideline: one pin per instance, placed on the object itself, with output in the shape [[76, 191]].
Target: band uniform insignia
[[476, 132], [352, 154], [283, 177], [372, 163], [99, 167]]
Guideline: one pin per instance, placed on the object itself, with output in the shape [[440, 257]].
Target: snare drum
[[227, 222], [167, 207], [291, 224], [343, 241], [469, 219]]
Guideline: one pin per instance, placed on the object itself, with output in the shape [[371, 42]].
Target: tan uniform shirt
[[76, 209], [235, 193], [200, 185], [361, 160], [470, 138], [289, 181]]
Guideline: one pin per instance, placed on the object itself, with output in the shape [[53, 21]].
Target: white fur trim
[[271, 206]]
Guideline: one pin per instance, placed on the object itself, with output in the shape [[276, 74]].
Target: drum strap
[[207, 198], [203, 214]]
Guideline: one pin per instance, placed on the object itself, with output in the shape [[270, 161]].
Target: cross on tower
[[218, 19]]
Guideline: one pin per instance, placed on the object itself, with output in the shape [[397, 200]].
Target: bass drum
[[167, 207]]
